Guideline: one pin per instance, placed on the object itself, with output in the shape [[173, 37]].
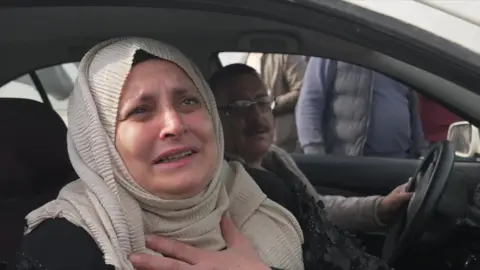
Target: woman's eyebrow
[[181, 91], [140, 97]]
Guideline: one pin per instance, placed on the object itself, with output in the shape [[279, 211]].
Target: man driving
[[248, 123]]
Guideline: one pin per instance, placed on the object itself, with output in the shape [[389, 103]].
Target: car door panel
[[363, 176], [355, 175]]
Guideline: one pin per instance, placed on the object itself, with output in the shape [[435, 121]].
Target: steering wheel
[[427, 185]]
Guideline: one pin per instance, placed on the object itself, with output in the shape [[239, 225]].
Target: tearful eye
[[138, 111], [190, 101]]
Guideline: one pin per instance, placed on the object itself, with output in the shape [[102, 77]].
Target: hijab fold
[[117, 213]]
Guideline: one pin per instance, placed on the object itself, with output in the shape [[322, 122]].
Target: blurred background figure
[[435, 119], [344, 109]]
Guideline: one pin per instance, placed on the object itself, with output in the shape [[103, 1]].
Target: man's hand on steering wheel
[[427, 186], [391, 205]]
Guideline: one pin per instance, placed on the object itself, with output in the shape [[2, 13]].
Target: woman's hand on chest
[[239, 255]]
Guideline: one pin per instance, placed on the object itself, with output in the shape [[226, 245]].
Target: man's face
[[246, 116]]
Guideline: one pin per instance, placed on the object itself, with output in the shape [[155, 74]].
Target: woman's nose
[[173, 125]]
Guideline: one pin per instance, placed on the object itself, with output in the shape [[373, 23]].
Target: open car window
[[402, 118], [57, 82]]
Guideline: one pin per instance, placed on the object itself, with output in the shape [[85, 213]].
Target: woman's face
[[164, 133]]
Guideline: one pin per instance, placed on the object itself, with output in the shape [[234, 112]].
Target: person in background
[[435, 119], [247, 121], [344, 109], [283, 75]]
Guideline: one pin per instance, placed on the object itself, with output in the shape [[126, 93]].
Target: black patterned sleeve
[[57, 244], [326, 247]]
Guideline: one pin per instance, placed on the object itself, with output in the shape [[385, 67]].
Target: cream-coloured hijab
[[117, 213]]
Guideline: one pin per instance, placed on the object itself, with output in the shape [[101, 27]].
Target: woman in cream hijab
[[146, 141]]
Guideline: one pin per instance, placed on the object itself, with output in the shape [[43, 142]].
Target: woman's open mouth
[[175, 158]]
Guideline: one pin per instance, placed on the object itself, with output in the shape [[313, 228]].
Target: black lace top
[[325, 247]]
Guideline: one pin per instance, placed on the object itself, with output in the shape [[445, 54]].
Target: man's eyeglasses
[[242, 107]]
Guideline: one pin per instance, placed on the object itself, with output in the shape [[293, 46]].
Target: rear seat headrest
[[33, 136], [34, 165]]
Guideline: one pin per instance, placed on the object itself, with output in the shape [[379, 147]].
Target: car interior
[[34, 159], [34, 164]]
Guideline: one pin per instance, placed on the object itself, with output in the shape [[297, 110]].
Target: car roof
[[332, 29], [430, 25], [456, 21]]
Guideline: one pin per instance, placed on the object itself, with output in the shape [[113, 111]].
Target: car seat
[[34, 165]]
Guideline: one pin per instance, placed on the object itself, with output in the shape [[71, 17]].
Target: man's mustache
[[256, 128]]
